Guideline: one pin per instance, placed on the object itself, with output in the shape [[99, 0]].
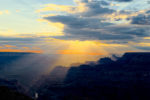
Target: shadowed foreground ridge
[[128, 78], [9, 94]]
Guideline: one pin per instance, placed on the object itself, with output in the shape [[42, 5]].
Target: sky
[[75, 27]]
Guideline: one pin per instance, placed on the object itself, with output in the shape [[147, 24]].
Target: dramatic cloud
[[84, 8], [142, 19], [94, 29], [92, 24], [95, 7], [107, 21], [77, 22]]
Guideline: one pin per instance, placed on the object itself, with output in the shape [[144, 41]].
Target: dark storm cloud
[[96, 8], [108, 33], [97, 34], [94, 28], [78, 22], [138, 31], [93, 35], [141, 19], [89, 26]]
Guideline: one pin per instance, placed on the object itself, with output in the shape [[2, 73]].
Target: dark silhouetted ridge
[[9, 94], [136, 58], [12, 90], [127, 78]]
